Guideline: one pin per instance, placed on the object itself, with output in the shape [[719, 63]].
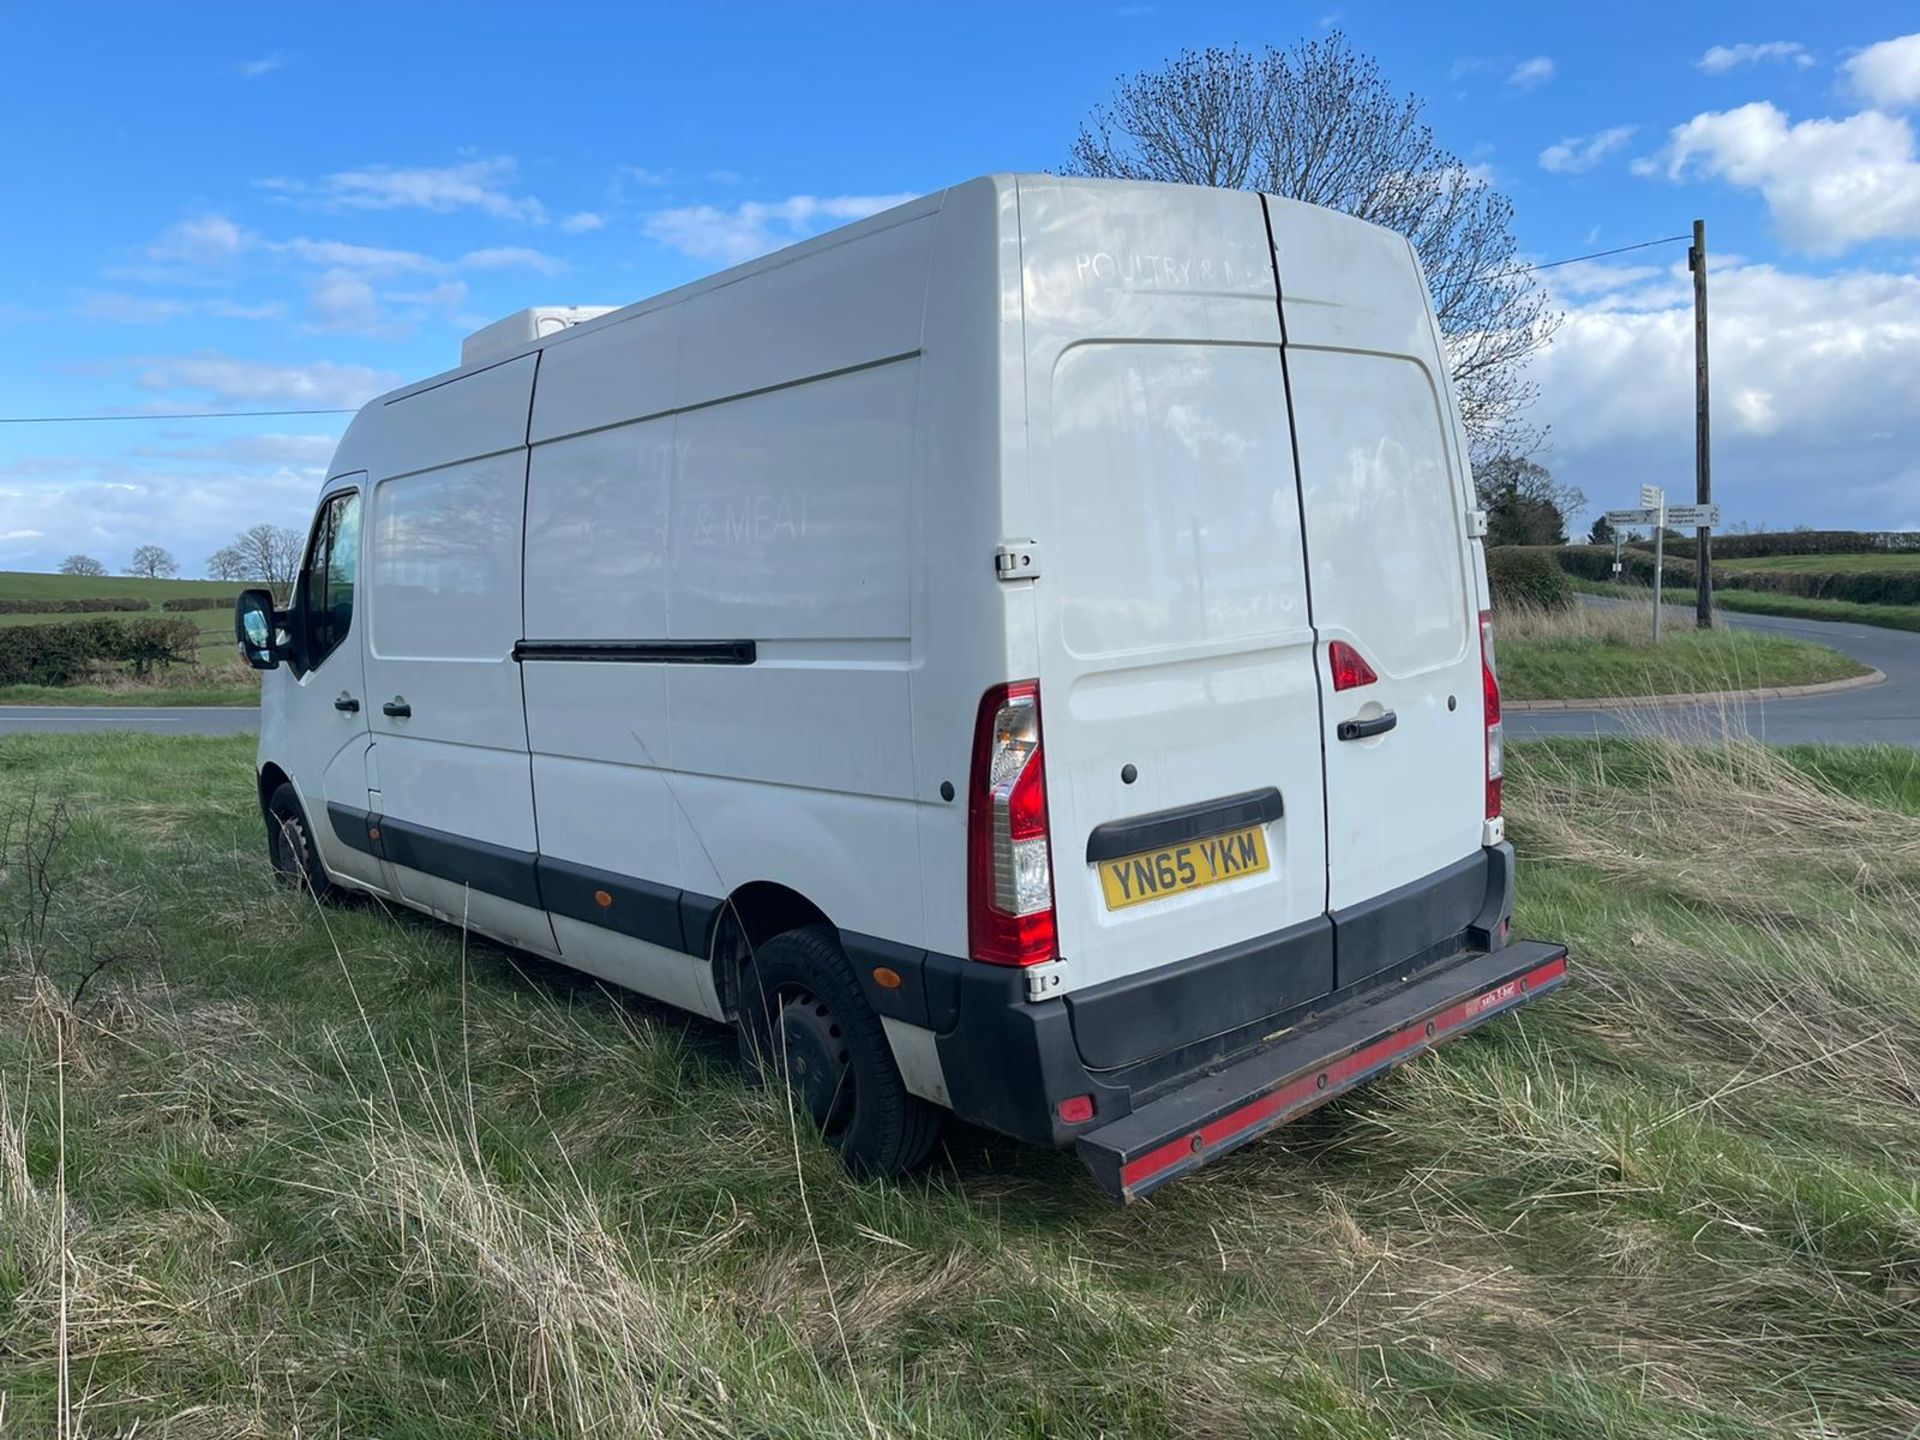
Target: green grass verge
[[334, 1172], [1604, 657], [1760, 602], [135, 695]]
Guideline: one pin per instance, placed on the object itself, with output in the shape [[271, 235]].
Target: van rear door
[[1179, 703], [1385, 495]]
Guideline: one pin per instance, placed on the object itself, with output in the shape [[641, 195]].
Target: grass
[[1593, 652], [1828, 564], [336, 1173], [1762, 602], [217, 680]]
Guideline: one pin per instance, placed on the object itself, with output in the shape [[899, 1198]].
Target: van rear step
[[1213, 1114]]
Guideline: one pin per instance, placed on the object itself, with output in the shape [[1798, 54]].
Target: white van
[[1023, 654]]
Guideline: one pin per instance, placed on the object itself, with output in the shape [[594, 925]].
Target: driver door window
[[327, 581]]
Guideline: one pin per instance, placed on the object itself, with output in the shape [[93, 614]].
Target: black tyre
[[803, 1017], [290, 845]]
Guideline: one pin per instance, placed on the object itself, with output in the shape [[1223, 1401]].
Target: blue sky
[[252, 206]]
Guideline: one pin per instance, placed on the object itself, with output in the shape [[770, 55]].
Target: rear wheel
[[296, 862], [804, 1020]]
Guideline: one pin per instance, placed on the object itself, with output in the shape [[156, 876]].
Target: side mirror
[[253, 627]]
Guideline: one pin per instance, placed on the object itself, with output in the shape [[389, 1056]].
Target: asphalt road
[[156, 720], [1887, 712]]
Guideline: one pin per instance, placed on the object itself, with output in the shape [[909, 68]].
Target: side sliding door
[[451, 787]]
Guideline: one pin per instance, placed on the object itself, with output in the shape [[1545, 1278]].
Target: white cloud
[[709, 232], [1529, 73], [1828, 183], [265, 65], [1812, 383], [1578, 153], [265, 383], [203, 240], [1888, 74], [118, 308], [484, 185], [506, 257], [300, 451], [582, 221], [369, 259], [1719, 59]]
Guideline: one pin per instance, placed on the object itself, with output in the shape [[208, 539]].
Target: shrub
[[61, 654], [1595, 562], [1527, 575], [96, 605], [200, 602], [1795, 542]]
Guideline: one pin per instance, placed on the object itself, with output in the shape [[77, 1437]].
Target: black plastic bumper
[[1305, 1067]]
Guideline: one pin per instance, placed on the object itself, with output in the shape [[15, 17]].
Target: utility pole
[[1702, 430]]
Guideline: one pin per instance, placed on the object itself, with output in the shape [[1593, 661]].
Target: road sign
[[1651, 496], [1634, 517], [1693, 517]]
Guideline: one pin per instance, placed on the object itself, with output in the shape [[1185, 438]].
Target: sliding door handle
[[397, 707], [1362, 729]]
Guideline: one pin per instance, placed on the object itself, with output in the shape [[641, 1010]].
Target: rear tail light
[[1496, 746], [1009, 867], [1350, 669]]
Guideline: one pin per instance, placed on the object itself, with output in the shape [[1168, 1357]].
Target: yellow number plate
[[1156, 874]]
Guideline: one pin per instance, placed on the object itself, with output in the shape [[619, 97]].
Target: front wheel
[[296, 862], [803, 1019]]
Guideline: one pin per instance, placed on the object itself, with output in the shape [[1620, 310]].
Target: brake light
[[1490, 688], [1009, 866], [1350, 671]]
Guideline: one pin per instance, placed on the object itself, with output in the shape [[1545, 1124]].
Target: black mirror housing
[[255, 626]]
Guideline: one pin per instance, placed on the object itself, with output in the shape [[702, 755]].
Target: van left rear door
[[454, 787]]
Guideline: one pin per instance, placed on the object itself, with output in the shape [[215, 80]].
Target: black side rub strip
[[641, 652], [1188, 822]]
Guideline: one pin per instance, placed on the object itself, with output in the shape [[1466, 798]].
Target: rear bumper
[[1299, 1069]]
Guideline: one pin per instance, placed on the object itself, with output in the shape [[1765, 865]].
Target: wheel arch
[[270, 779], [746, 919]]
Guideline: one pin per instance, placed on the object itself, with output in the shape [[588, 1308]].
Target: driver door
[[326, 735]]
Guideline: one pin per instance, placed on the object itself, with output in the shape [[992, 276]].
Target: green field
[[226, 685], [332, 1172], [1828, 564]]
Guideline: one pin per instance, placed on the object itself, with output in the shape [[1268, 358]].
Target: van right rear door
[[1384, 495]]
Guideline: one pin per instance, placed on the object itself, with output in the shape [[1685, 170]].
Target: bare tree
[[152, 563], [264, 552], [1317, 123], [81, 565]]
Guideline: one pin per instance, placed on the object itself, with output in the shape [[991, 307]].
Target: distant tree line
[[270, 553]]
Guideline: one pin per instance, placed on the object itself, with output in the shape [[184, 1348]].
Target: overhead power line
[[275, 414]]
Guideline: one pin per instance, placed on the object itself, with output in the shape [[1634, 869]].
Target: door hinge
[[1476, 524], [1046, 981], [1017, 560]]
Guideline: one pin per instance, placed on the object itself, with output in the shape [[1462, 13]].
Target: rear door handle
[[397, 707], [1361, 729], [347, 703]]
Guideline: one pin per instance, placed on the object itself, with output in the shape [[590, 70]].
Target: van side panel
[[734, 470]]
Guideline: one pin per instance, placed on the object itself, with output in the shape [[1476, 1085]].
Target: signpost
[[1653, 498], [1656, 512]]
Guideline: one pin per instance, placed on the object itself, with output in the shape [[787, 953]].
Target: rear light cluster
[[1496, 746], [1009, 865]]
